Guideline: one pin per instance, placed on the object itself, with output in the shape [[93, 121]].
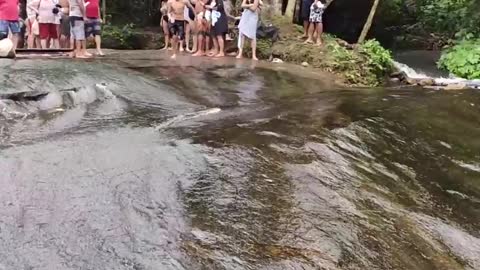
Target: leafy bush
[[116, 37], [450, 16], [463, 59], [379, 59]]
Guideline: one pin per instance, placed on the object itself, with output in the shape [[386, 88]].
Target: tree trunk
[[104, 11], [290, 8], [368, 23]]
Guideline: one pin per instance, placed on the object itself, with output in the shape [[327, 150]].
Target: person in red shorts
[[47, 11], [93, 24]]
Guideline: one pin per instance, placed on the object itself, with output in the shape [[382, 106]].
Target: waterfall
[[440, 81]]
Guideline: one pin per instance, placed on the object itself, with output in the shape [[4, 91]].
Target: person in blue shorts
[[9, 20]]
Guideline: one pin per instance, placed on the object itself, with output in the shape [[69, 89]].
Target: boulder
[[456, 86], [6, 48]]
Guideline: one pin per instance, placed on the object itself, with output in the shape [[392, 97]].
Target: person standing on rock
[[77, 24], [65, 37], [202, 26], [31, 27], [219, 28], [47, 22], [93, 23], [9, 20], [176, 20], [305, 15], [315, 30], [248, 26], [164, 23]]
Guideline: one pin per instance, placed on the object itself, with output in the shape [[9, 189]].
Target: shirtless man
[[177, 21]]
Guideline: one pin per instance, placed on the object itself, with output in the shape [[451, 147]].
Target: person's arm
[[245, 5], [100, 14], [254, 6], [189, 4], [81, 4], [171, 17], [34, 5]]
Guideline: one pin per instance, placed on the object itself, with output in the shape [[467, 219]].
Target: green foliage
[[450, 17], [379, 59], [463, 59], [118, 37]]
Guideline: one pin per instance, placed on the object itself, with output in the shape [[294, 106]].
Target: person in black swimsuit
[[219, 28]]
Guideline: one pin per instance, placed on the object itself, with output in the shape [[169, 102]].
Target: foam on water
[[411, 73], [18, 107]]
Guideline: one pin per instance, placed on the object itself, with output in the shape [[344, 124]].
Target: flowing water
[[134, 163]]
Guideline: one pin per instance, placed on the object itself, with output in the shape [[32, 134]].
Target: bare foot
[[218, 55], [81, 56], [181, 49], [239, 56], [170, 49], [308, 41], [189, 51], [87, 54], [212, 54], [319, 43], [174, 56], [254, 58], [100, 53], [199, 53], [164, 48]]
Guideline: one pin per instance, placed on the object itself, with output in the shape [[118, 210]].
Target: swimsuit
[[177, 29]]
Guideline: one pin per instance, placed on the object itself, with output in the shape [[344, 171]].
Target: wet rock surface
[[226, 165]]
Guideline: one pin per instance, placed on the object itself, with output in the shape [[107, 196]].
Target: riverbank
[[366, 65]]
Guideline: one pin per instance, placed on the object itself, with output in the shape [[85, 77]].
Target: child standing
[[315, 29], [93, 24]]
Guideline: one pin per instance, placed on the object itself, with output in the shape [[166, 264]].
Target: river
[[137, 162]]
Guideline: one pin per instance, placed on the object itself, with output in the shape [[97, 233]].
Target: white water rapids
[[440, 81]]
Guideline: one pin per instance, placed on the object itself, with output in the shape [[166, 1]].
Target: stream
[[136, 162]]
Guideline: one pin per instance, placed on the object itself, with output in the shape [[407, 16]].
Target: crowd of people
[[206, 23], [53, 24], [68, 23]]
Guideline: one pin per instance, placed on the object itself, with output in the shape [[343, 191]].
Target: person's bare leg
[[305, 29], [254, 49], [214, 51], [240, 49], [31, 41], [187, 36], [43, 43], [98, 43], [166, 35], [181, 44], [38, 43], [195, 38], [200, 45], [319, 33], [311, 30], [175, 46], [14, 41], [207, 43], [78, 49], [55, 43], [84, 49], [221, 46]]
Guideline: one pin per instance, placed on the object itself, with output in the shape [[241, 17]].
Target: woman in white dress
[[248, 26]]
